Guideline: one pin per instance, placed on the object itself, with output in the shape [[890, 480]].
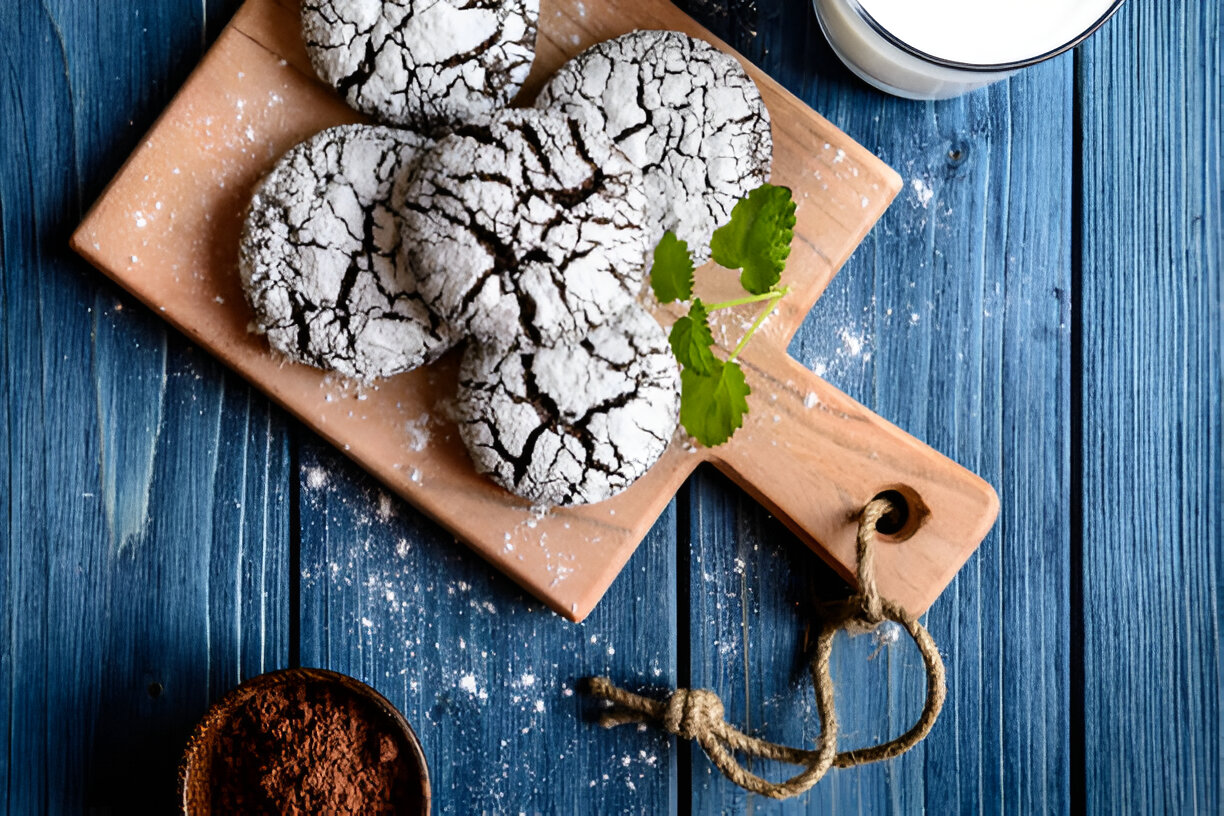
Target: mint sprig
[[757, 240], [712, 405], [692, 342], [758, 237], [671, 274]]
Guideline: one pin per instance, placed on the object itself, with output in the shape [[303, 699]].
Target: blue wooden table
[[1042, 303]]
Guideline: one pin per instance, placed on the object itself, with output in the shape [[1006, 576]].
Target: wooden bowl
[[196, 769]]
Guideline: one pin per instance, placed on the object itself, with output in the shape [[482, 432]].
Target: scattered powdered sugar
[[316, 478], [468, 683], [445, 638], [386, 507], [855, 348], [853, 342], [417, 431], [922, 192]]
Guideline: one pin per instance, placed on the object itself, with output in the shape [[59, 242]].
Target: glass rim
[[975, 67]]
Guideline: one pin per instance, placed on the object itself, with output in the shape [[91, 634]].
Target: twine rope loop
[[690, 714], [698, 714]]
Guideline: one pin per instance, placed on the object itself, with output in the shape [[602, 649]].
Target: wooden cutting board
[[167, 230]]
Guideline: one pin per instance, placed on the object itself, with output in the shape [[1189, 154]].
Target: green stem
[[765, 313], [772, 294]]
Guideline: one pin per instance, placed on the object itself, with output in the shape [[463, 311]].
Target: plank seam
[[1076, 713], [295, 546], [684, 641]]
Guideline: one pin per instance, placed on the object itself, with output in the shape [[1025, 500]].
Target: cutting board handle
[[815, 457]]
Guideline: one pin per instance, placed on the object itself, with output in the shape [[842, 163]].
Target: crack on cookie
[[557, 212], [414, 62], [572, 424], [320, 257], [701, 136]]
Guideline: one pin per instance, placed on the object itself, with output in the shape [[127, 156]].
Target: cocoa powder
[[305, 748]]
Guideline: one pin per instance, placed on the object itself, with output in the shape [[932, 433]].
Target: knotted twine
[[697, 714]]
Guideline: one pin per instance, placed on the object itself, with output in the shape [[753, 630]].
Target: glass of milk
[[935, 49]]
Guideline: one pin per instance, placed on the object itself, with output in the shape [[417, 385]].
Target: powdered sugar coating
[[422, 63], [530, 226], [320, 261], [574, 423], [685, 113]]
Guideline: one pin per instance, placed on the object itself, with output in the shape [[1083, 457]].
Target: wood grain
[[145, 536], [485, 674], [86, 631], [167, 230], [952, 320], [1152, 446]]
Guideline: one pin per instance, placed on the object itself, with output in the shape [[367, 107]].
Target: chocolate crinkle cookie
[[422, 63], [320, 261], [529, 228], [685, 113], [573, 423]]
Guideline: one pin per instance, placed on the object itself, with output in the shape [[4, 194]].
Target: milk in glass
[[933, 49]]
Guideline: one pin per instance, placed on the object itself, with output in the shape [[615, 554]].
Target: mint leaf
[[712, 406], [691, 340], [671, 274], [757, 239]]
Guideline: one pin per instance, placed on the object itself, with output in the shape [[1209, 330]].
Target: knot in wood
[[693, 713]]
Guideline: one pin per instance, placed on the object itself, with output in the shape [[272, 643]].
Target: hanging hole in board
[[908, 513]]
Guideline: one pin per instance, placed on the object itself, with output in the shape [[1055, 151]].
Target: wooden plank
[[951, 320], [1152, 269], [144, 539], [485, 674], [213, 559]]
